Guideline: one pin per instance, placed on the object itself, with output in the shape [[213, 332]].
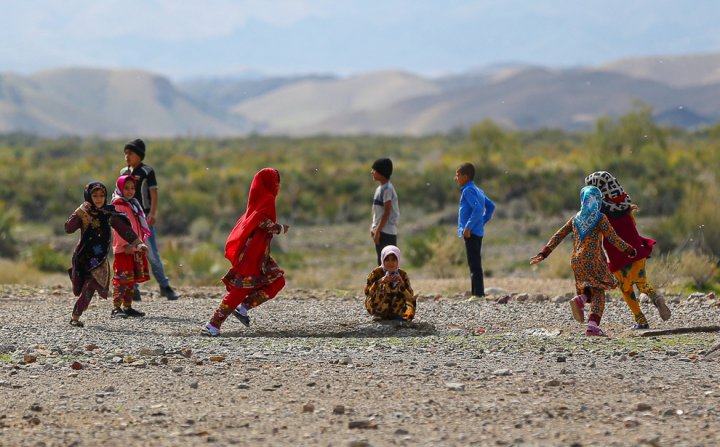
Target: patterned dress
[[588, 259], [389, 301]]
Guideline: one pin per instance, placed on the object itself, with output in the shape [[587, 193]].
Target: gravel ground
[[314, 370]]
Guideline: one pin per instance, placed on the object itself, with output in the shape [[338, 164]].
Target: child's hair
[[467, 169]]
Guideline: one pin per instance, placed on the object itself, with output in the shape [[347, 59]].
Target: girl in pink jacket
[[130, 265]]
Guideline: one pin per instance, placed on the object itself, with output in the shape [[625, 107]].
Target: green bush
[[8, 245], [46, 258]]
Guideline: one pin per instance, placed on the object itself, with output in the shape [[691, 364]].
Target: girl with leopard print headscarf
[[618, 207]]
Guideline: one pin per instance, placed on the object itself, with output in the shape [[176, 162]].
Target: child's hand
[[537, 258], [143, 248], [376, 237], [466, 233], [285, 228], [86, 206]]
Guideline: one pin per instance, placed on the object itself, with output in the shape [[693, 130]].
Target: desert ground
[[313, 369]]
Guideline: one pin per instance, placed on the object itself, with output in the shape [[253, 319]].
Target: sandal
[[76, 323]]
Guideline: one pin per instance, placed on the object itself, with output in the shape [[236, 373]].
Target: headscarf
[[261, 205], [615, 199], [389, 250], [589, 215], [134, 203], [93, 247]]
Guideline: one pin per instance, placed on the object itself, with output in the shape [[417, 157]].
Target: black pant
[[385, 240], [473, 249]]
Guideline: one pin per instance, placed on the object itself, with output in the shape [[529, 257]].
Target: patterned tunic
[[388, 301], [588, 259]]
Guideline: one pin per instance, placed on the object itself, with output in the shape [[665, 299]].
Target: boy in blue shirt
[[474, 211]]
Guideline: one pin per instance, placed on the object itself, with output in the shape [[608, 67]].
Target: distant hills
[[684, 91]]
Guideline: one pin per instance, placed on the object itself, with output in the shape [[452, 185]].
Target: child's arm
[[78, 219], [489, 210], [409, 296], [609, 233], [553, 242], [387, 207], [371, 286], [272, 227], [124, 230]]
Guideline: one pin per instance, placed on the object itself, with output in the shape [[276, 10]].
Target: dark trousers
[[473, 249], [385, 240]]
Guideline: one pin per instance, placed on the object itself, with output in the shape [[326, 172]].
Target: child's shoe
[[577, 305], [136, 295], [76, 323], [117, 312], [594, 331], [130, 312], [640, 327], [662, 308], [244, 319], [210, 331]]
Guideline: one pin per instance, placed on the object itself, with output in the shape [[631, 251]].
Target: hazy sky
[[184, 38]]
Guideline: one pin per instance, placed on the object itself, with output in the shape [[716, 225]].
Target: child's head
[[96, 193], [465, 173], [382, 169], [590, 199], [134, 152], [390, 258], [126, 186]]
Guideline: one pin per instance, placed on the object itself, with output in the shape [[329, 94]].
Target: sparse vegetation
[[534, 177]]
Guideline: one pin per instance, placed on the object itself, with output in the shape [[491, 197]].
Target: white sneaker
[[210, 331]]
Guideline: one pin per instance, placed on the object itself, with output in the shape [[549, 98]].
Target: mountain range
[[684, 91]]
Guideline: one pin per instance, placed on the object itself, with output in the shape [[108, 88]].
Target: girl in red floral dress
[[254, 277]]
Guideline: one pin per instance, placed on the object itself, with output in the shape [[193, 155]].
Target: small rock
[[91, 347], [76, 365], [502, 372], [243, 386], [643, 407], [29, 358], [309, 407], [35, 407], [553, 382], [339, 409], [216, 358], [345, 360], [194, 385], [178, 369], [311, 384], [359, 443], [560, 299], [362, 423], [401, 432], [630, 422], [453, 386], [521, 297], [503, 299], [561, 359], [186, 352]]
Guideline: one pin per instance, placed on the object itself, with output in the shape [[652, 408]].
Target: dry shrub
[[448, 254], [699, 268], [663, 271], [557, 265]]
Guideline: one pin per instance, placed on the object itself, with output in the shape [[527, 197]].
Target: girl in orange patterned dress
[[592, 276]]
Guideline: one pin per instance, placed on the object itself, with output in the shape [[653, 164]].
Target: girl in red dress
[[254, 276]]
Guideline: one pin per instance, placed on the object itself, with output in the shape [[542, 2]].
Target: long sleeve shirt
[[475, 210]]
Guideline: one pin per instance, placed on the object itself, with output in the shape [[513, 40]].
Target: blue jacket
[[475, 210]]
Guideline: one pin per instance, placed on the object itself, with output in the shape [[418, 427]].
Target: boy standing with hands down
[[385, 210], [474, 211], [146, 194]]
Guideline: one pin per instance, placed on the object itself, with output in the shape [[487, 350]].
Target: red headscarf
[[261, 206]]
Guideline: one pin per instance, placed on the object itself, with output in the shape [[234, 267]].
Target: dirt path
[[313, 370]]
